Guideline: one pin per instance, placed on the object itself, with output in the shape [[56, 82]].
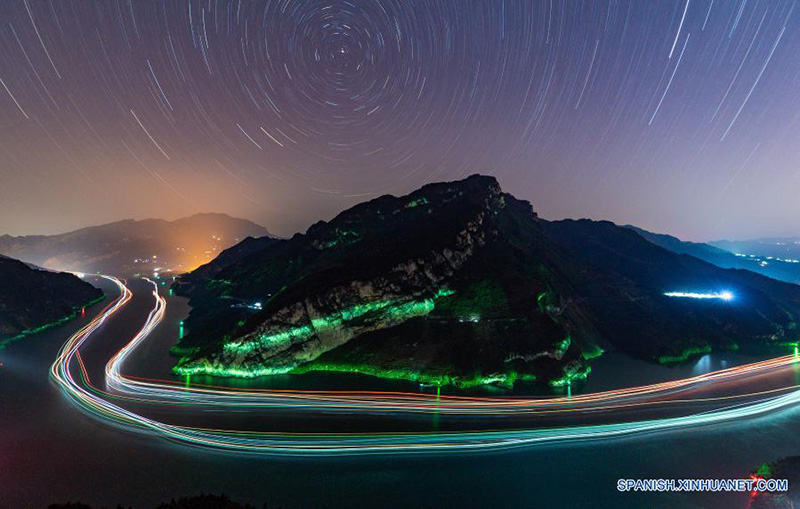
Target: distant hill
[[129, 247], [31, 299], [749, 255], [462, 283], [230, 256], [775, 247], [676, 245]]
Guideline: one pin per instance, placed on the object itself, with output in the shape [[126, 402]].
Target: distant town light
[[723, 295]]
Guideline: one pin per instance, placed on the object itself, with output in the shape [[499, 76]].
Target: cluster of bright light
[[775, 258], [724, 295]]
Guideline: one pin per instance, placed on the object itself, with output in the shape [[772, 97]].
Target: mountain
[[783, 248], [229, 257], [720, 254], [32, 299], [464, 284], [676, 245], [129, 247]]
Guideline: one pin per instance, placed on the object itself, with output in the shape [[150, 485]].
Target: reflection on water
[[615, 370], [703, 365]]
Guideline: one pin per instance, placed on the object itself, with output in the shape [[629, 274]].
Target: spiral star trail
[[679, 116]]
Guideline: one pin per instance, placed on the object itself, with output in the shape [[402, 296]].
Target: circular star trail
[[679, 116]]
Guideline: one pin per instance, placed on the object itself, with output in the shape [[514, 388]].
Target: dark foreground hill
[[461, 283], [32, 299], [129, 247]]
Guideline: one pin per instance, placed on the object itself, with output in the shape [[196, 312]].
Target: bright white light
[[725, 295]]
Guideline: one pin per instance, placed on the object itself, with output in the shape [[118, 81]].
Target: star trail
[[678, 116]]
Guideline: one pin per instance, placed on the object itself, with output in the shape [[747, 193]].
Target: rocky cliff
[[461, 283]]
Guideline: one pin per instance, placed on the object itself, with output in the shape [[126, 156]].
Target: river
[[52, 452]]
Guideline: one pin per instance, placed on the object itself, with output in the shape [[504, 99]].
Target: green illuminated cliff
[[459, 283]]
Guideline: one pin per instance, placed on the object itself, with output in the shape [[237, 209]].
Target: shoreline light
[[724, 295]]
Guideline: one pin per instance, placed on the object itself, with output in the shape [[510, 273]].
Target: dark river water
[[52, 452]]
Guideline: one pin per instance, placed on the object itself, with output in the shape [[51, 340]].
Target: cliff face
[[32, 299], [461, 283]]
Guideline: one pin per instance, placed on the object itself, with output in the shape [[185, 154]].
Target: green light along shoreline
[[505, 379], [392, 310], [571, 375], [50, 325], [685, 355]]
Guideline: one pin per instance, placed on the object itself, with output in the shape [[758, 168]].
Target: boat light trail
[[725, 295], [98, 403]]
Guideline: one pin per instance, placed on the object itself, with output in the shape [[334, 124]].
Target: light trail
[[725, 295], [160, 392], [385, 401]]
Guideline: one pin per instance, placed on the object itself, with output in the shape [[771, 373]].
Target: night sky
[[678, 116]]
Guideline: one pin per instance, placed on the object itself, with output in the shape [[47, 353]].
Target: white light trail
[[90, 398], [725, 295]]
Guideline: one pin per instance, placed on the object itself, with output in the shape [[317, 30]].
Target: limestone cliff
[[461, 283]]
